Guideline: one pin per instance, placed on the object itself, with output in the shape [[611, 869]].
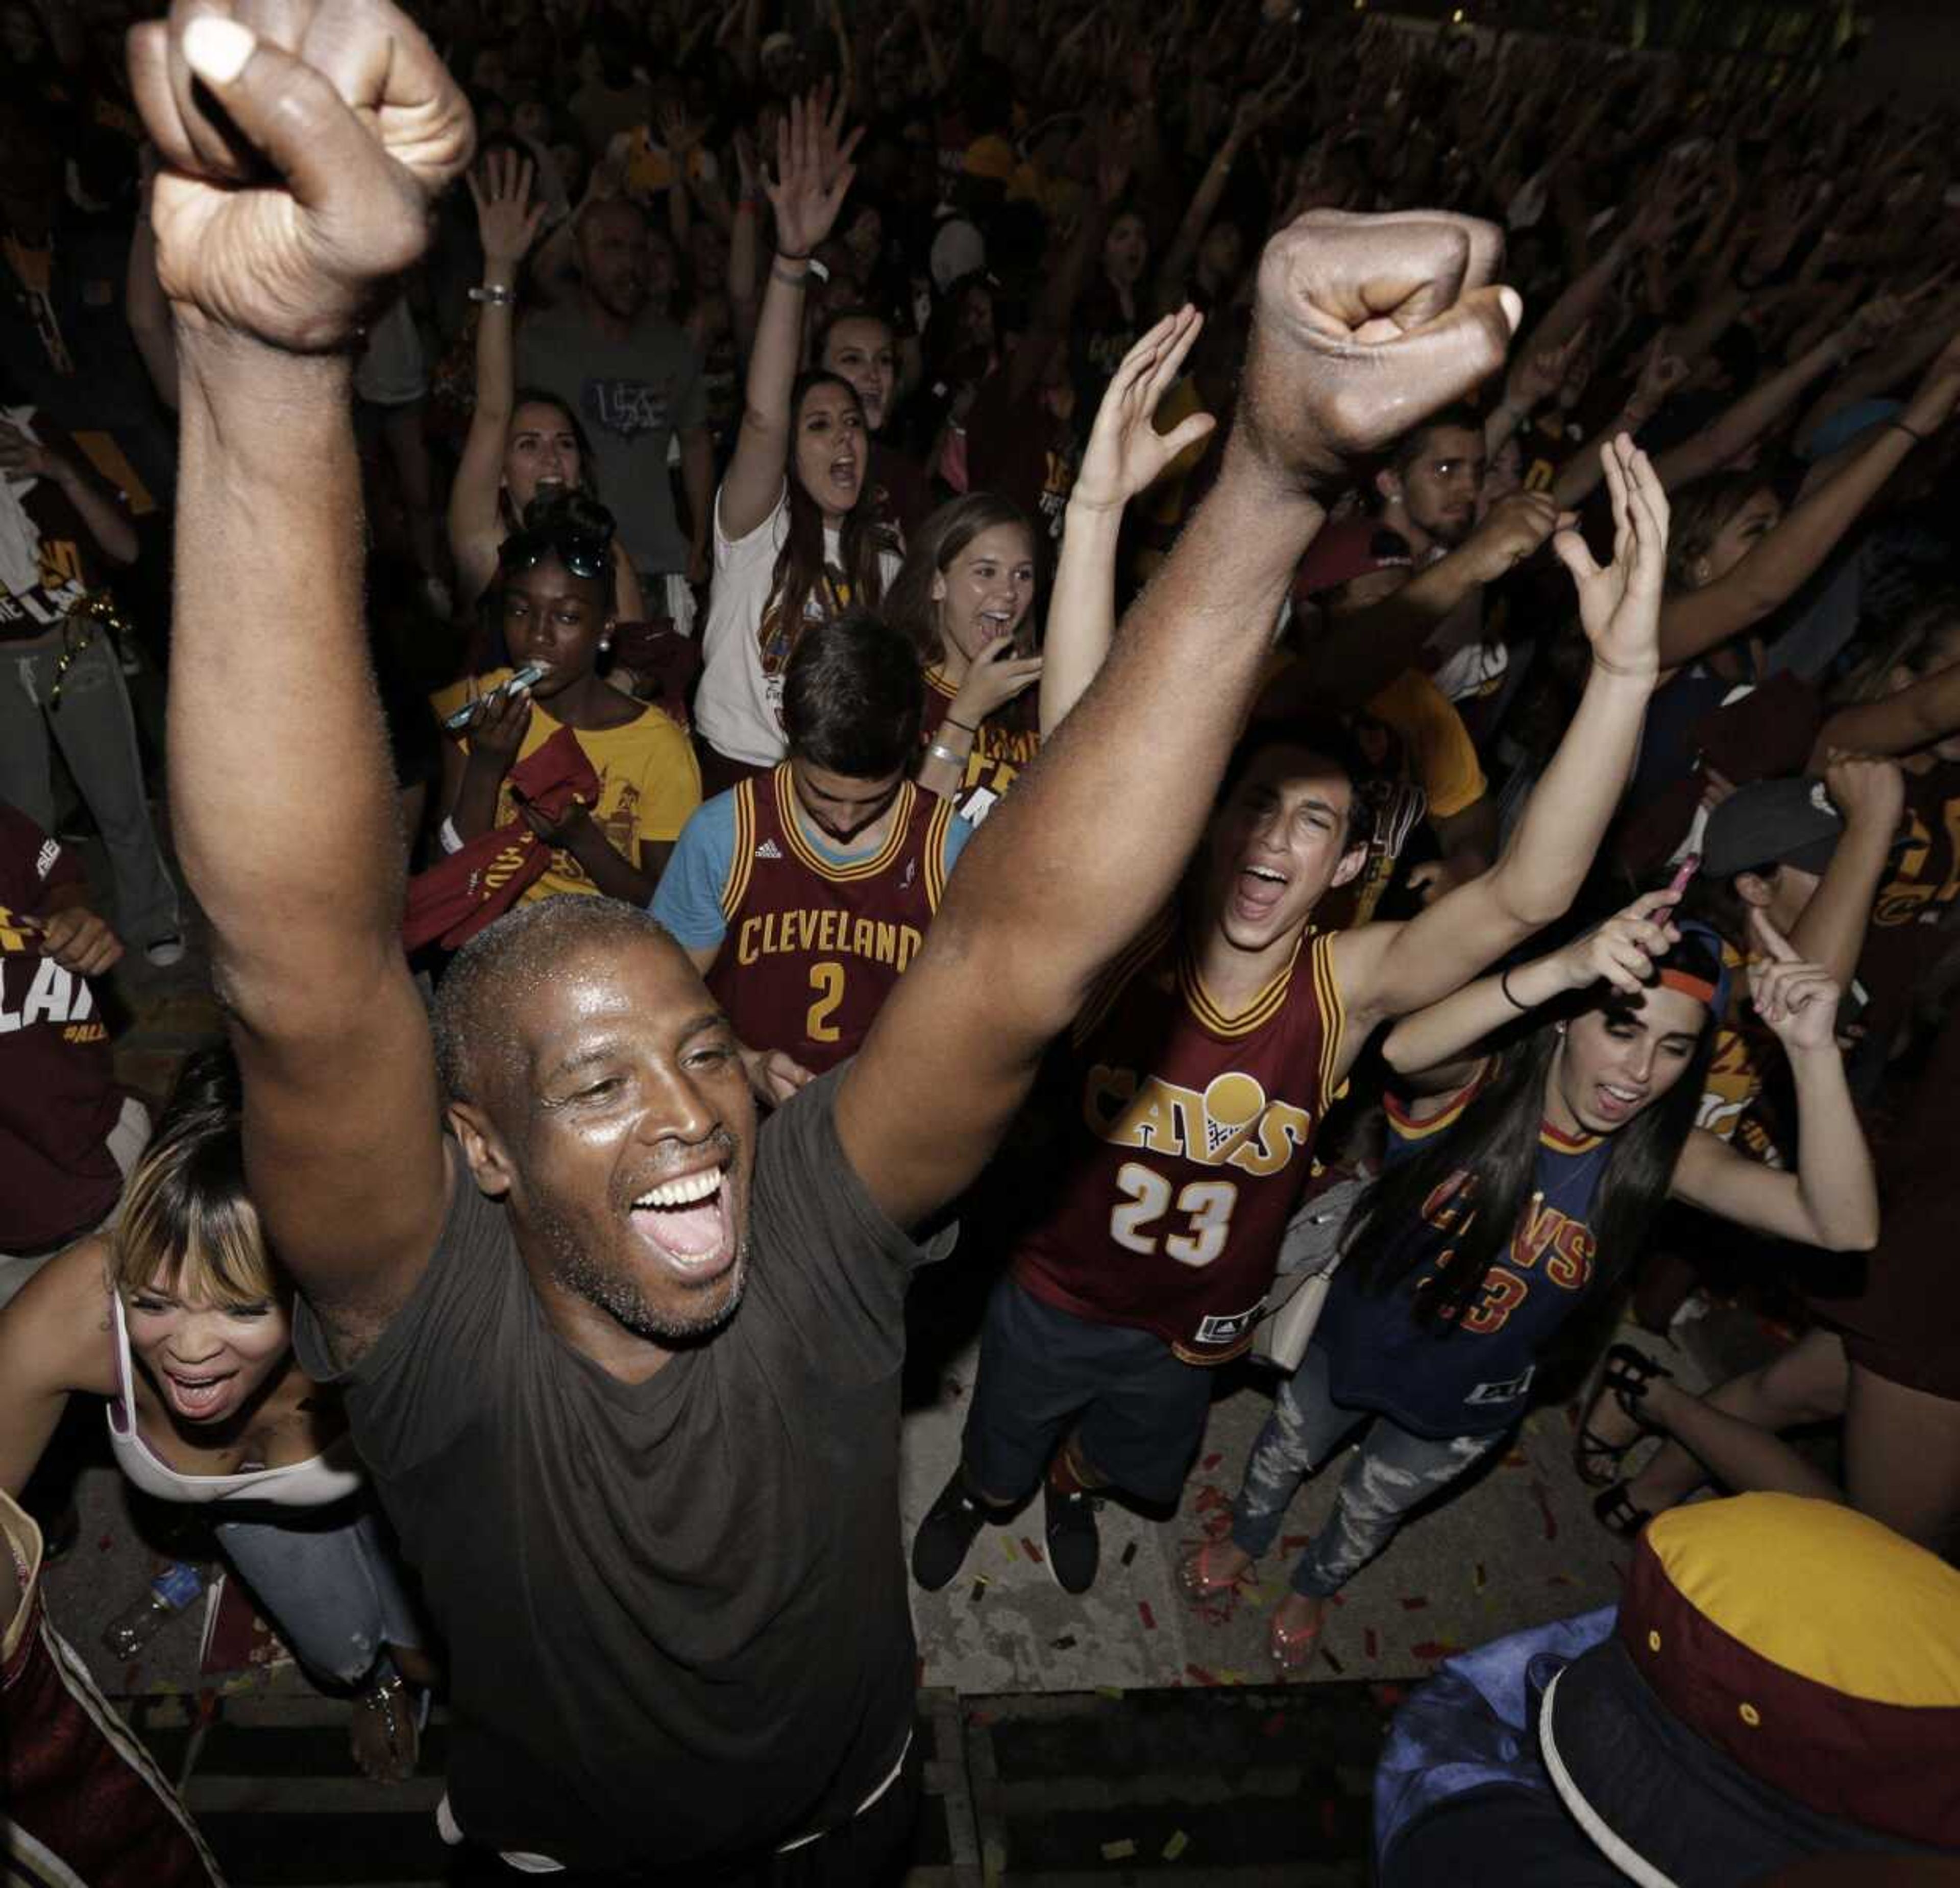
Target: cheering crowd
[[1294, 685]]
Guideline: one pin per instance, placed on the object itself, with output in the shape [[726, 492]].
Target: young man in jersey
[[1197, 1077], [625, 1367], [802, 895]]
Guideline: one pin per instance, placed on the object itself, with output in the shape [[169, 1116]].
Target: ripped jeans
[[1393, 1472]]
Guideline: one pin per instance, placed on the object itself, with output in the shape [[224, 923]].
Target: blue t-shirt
[[688, 899], [1470, 1376]]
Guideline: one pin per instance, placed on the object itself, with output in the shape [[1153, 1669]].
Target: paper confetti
[[1007, 1547], [1118, 1851], [1333, 1663], [1034, 1552], [1436, 1649], [1481, 1578], [1129, 1553], [979, 1592], [1292, 1543], [1413, 1602], [1175, 1846], [1149, 1618], [1210, 1462], [1544, 1508], [1370, 1644], [1065, 1644]]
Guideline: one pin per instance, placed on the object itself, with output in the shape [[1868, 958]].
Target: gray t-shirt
[[633, 395], [675, 1610]]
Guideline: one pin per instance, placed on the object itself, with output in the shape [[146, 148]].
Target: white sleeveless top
[[328, 1477]]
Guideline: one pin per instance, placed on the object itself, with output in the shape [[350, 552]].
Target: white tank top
[[328, 1477]]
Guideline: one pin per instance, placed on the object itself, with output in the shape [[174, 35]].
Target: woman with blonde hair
[[180, 1321]]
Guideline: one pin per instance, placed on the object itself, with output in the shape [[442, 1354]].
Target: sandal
[[1627, 1375], [1200, 1582], [1292, 1651], [385, 1733], [1615, 1511]]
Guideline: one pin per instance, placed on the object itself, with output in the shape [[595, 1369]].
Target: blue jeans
[[1393, 1472], [328, 1581]]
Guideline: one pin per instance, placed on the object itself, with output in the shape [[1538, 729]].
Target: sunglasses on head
[[583, 553]]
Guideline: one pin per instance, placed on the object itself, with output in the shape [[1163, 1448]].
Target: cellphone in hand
[[458, 719]]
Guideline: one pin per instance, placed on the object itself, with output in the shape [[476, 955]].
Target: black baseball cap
[[1772, 822]]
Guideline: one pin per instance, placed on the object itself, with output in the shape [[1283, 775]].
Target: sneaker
[[939, 1548], [1074, 1544], [163, 952]]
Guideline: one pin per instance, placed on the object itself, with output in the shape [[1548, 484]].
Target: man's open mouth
[[688, 1223]]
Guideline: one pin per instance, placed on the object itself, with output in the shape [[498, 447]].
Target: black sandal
[[1627, 1374], [1615, 1512]]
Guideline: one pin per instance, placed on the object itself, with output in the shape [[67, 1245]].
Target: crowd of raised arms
[[1293, 683]]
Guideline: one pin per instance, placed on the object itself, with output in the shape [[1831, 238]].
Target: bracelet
[[1504, 984], [939, 751], [1910, 432], [972, 727], [494, 294], [788, 278], [790, 255]]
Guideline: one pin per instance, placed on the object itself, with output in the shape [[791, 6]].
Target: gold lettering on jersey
[[1230, 1123], [837, 933], [53, 995]]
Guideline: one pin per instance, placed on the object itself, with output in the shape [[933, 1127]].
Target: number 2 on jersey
[[1209, 1203], [827, 980]]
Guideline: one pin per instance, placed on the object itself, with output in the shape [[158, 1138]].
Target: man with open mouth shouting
[[625, 1369]]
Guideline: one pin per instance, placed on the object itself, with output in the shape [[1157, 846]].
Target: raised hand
[[347, 106], [1868, 789], [1622, 950], [1661, 374], [1536, 378], [1798, 1000], [1513, 529], [506, 218], [1364, 325], [1619, 605], [813, 173], [1126, 454]]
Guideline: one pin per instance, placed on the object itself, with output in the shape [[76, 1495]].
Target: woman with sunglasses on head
[[522, 442], [180, 1320], [1519, 1184], [554, 584], [797, 537]]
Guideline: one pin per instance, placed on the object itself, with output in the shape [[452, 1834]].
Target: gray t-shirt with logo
[[632, 396]]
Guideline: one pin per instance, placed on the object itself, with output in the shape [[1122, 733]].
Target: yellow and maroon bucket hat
[[1783, 1683]]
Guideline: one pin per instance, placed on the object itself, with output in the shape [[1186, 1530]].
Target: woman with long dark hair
[[797, 539], [1517, 1187]]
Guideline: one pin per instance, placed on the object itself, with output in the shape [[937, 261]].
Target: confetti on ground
[[1292, 1543], [1203, 1677], [1334, 1664], [1370, 1644], [1065, 1644], [1007, 1547], [1482, 1579], [1175, 1846], [1129, 1553], [1413, 1602], [1517, 1459], [1034, 1552], [979, 1592], [1118, 1851], [1144, 1613], [1558, 1580], [1436, 1649], [1210, 1462], [1109, 1690], [1210, 1497]]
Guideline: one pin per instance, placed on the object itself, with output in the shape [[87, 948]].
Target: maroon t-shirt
[[1018, 448], [59, 1098]]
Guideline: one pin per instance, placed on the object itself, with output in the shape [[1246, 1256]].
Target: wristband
[[1910, 432], [972, 727], [1504, 985], [939, 751], [493, 293], [790, 255]]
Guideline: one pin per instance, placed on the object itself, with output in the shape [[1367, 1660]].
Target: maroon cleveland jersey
[[813, 948], [1003, 743], [1189, 1144]]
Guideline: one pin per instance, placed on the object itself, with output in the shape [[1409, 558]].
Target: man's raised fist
[[302, 141], [1365, 324]]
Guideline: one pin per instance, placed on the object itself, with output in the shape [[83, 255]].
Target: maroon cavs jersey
[[813, 948], [1190, 1146], [1005, 743]]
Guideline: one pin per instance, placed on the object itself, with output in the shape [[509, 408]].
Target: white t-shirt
[[738, 707]]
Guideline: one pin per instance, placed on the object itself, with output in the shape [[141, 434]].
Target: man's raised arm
[[1363, 325], [281, 797]]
